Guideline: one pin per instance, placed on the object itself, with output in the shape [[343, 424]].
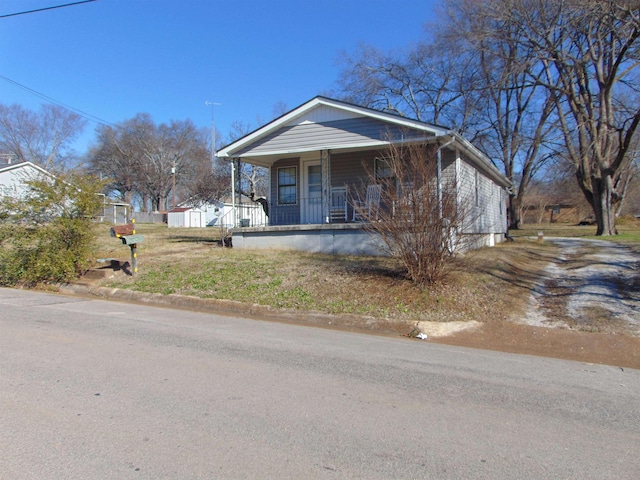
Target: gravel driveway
[[594, 285]]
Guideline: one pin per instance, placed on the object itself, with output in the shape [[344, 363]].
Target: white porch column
[[233, 192], [325, 165]]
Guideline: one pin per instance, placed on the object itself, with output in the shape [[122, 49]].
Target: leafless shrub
[[420, 216]]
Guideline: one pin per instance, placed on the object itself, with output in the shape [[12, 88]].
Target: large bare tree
[[464, 76], [421, 82], [42, 137], [516, 113], [147, 159], [590, 51]]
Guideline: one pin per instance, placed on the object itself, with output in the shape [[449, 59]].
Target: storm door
[[312, 202]]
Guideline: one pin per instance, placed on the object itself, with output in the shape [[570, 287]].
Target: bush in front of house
[[420, 217], [46, 233]]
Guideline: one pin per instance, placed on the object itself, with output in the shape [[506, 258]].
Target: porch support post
[[325, 165], [233, 192]]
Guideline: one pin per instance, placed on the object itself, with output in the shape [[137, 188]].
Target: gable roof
[[14, 177], [365, 127], [25, 166], [327, 124]]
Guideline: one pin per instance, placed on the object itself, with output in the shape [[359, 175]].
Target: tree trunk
[[515, 212], [603, 205]]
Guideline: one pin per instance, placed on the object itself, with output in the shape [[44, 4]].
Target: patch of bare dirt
[[585, 306], [591, 286]]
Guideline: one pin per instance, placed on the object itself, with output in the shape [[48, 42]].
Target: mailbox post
[[127, 233]]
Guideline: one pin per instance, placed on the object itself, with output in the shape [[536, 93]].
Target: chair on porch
[[338, 204], [369, 208]]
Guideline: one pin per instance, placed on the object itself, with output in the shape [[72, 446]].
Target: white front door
[[312, 201]]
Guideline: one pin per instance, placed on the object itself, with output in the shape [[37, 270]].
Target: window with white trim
[[287, 186]]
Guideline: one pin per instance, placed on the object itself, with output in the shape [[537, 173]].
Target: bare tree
[[116, 157], [142, 157], [42, 137], [420, 222], [589, 50], [421, 82], [471, 80], [516, 112], [209, 185], [628, 186]]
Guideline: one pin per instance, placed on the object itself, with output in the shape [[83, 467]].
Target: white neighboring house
[[14, 178], [217, 214]]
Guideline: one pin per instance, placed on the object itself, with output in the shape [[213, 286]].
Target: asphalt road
[[103, 390]]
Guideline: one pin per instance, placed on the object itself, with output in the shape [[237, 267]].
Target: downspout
[[439, 172]]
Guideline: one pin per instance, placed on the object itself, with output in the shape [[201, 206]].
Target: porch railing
[[313, 211], [246, 215]]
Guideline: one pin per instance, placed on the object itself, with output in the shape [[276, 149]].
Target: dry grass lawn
[[489, 285]]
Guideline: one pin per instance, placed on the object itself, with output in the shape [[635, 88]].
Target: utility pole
[[173, 188]]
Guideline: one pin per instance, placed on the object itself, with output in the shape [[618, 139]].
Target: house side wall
[[284, 214], [449, 175], [483, 201], [320, 136], [13, 181]]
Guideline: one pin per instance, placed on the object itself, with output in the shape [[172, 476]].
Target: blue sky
[[116, 58]]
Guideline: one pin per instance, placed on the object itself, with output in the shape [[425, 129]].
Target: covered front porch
[[319, 188], [320, 158]]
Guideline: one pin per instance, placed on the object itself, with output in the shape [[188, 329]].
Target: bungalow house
[[317, 155]]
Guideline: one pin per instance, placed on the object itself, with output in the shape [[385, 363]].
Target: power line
[[49, 99], [46, 8]]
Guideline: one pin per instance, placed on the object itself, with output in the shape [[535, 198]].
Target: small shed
[[186, 217]]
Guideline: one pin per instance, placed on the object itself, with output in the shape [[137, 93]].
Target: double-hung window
[[383, 169], [287, 186]]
